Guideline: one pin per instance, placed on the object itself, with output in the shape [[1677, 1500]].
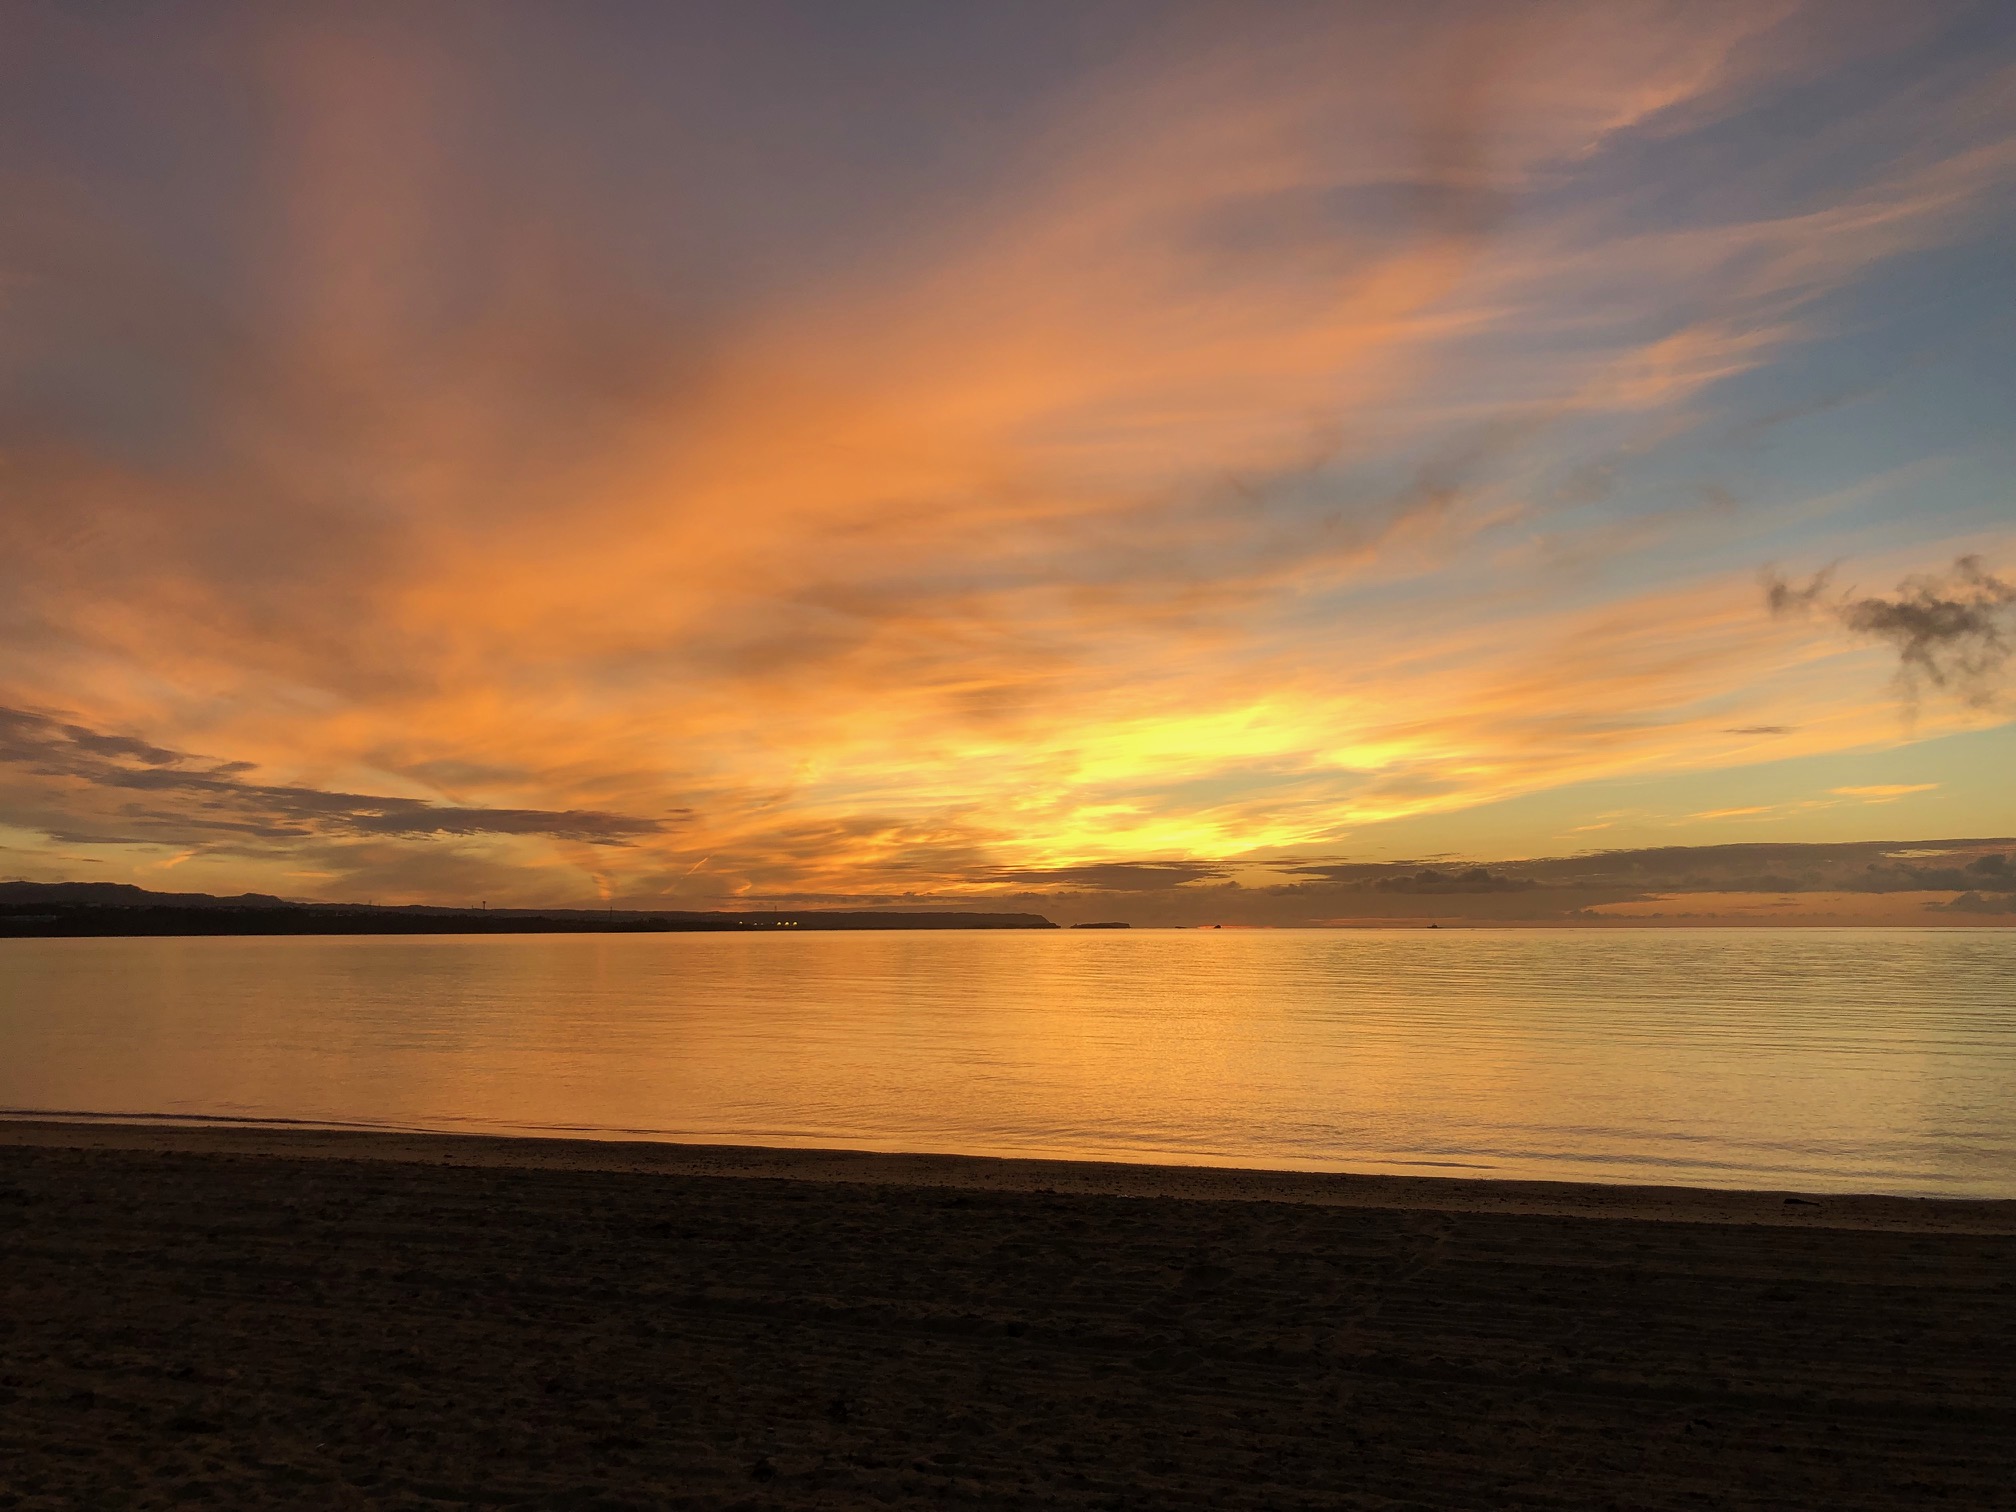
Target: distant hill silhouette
[[118, 908], [125, 895]]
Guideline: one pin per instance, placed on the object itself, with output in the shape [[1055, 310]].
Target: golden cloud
[[1131, 510]]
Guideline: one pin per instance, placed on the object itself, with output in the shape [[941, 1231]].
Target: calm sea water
[[1832, 1060]]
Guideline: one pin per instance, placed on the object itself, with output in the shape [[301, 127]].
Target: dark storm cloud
[[1871, 866], [119, 745], [1782, 597], [1866, 866], [1978, 903], [1408, 877], [1949, 629], [214, 797]]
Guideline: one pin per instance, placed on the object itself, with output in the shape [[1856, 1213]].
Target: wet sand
[[296, 1318]]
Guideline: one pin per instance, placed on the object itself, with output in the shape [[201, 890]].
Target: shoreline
[[1779, 1207]]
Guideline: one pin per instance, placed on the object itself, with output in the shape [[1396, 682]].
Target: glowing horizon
[[765, 452]]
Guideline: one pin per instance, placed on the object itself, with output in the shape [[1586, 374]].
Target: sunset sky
[[702, 455]]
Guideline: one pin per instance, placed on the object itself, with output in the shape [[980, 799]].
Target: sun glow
[[1299, 429]]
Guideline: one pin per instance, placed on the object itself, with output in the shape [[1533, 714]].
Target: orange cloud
[[1131, 509]]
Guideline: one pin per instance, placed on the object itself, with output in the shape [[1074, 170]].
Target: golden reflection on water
[[1821, 1059]]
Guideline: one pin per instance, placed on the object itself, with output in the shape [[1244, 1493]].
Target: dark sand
[[252, 1318]]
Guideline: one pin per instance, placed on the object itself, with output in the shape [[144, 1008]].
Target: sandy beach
[[301, 1318]]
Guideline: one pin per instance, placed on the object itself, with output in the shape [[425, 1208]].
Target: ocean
[[1824, 1060]]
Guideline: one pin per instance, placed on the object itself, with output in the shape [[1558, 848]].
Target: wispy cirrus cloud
[[1261, 433]]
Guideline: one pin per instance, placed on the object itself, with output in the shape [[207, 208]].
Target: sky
[[734, 454]]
